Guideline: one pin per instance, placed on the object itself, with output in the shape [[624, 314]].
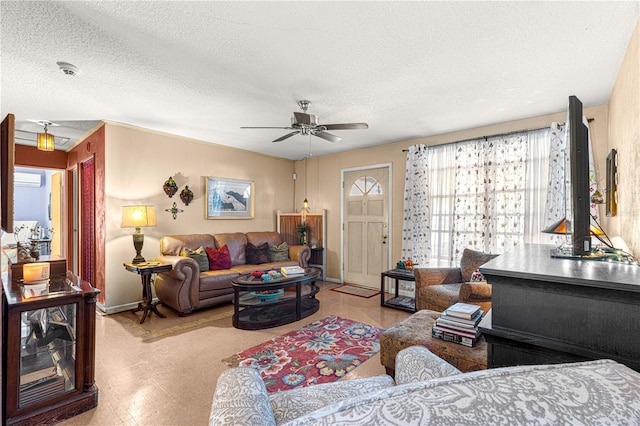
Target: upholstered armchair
[[439, 288]]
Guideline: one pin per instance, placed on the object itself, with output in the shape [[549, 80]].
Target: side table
[[403, 303], [146, 270]]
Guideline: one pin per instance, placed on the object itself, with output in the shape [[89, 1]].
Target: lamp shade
[[563, 226], [45, 141], [138, 216]]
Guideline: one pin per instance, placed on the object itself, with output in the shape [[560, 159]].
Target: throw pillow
[[218, 259], [199, 256], [279, 253], [257, 255]]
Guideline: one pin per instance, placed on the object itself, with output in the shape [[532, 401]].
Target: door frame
[[389, 166]]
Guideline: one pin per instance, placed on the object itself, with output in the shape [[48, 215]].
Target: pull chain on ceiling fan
[[308, 124]]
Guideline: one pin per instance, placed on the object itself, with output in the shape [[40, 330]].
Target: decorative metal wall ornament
[[186, 195], [174, 210], [170, 187]]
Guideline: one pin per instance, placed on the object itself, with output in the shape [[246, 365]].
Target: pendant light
[[45, 140]]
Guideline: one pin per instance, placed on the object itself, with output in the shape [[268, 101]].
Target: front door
[[366, 225]]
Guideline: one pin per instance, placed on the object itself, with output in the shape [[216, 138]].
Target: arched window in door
[[366, 185]]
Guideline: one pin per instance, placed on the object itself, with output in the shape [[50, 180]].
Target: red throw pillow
[[218, 259]]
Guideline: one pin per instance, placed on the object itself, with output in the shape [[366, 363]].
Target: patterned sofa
[[188, 287], [428, 390]]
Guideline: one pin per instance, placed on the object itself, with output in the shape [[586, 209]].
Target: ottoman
[[416, 330]]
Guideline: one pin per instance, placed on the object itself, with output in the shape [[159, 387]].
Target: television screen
[[579, 215]]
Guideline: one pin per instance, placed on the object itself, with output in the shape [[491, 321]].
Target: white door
[[366, 227]]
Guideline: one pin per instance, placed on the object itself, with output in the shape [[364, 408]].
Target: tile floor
[[164, 371]]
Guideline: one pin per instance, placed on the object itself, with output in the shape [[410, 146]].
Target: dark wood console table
[[146, 270], [549, 310]]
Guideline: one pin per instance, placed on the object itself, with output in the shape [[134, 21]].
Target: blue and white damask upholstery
[[594, 392], [419, 363]]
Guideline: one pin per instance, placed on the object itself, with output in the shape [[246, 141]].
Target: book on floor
[[463, 310]]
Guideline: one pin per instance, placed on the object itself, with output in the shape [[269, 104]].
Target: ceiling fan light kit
[[308, 124]]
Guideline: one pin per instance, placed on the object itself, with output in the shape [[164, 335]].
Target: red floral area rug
[[320, 352]]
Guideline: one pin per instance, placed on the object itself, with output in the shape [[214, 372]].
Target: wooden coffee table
[[262, 304]]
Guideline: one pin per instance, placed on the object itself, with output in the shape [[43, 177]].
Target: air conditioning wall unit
[[32, 180]]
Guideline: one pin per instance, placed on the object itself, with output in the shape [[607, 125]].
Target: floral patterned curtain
[[416, 244], [558, 204], [490, 194], [486, 194]]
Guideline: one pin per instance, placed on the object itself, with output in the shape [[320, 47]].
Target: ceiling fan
[[307, 124]]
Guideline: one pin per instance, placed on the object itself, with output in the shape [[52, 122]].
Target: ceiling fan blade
[[244, 127], [302, 118], [327, 136], [287, 136], [345, 126]]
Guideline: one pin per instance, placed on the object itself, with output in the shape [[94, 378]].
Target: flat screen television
[[579, 215]]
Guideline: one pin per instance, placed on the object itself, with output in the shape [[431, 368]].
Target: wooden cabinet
[[48, 351], [316, 237], [551, 310]]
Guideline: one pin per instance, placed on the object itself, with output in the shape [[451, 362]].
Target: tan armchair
[[439, 288]]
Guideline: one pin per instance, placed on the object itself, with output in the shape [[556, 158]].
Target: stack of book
[[39, 379], [291, 271], [459, 324]]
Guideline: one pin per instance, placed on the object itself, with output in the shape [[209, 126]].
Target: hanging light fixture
[[305, 203], [45, 140]]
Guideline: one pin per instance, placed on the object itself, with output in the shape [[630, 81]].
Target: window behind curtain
[[487, 194]]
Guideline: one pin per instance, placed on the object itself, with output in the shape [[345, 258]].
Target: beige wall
[[624, 136], [137, 164], [324, 173]]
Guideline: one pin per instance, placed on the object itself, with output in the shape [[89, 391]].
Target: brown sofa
[[439, 288], [185, 288]]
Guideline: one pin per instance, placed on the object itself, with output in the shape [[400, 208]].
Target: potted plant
[[302, 229]]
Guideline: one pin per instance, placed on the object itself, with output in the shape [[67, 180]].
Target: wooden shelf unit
[[317, 222]]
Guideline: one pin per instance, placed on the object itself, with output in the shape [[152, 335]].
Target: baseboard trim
[[119, 308]]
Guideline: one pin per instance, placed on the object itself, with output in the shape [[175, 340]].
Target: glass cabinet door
[[47, 353]]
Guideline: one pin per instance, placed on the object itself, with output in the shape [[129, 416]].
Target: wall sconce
[[137, 217], [45, 140], [170, 187], [186, 195]]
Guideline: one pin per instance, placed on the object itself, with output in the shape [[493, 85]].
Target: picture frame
[[229, 198], [611, 192]]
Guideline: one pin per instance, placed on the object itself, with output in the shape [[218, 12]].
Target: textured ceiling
[[204, 69]]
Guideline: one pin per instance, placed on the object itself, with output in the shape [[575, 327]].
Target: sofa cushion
[[173, 245], [236, 242], [472, 260], [279, 253], [199, 255], [299, 401], [257, 254], [218, 259], [269, 237]]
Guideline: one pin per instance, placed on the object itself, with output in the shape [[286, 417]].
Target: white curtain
[[416, 215], [486, 194], [490, 194], [558, 204]]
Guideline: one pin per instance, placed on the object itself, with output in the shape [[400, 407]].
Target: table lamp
[[137, 217], [35, 273]]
